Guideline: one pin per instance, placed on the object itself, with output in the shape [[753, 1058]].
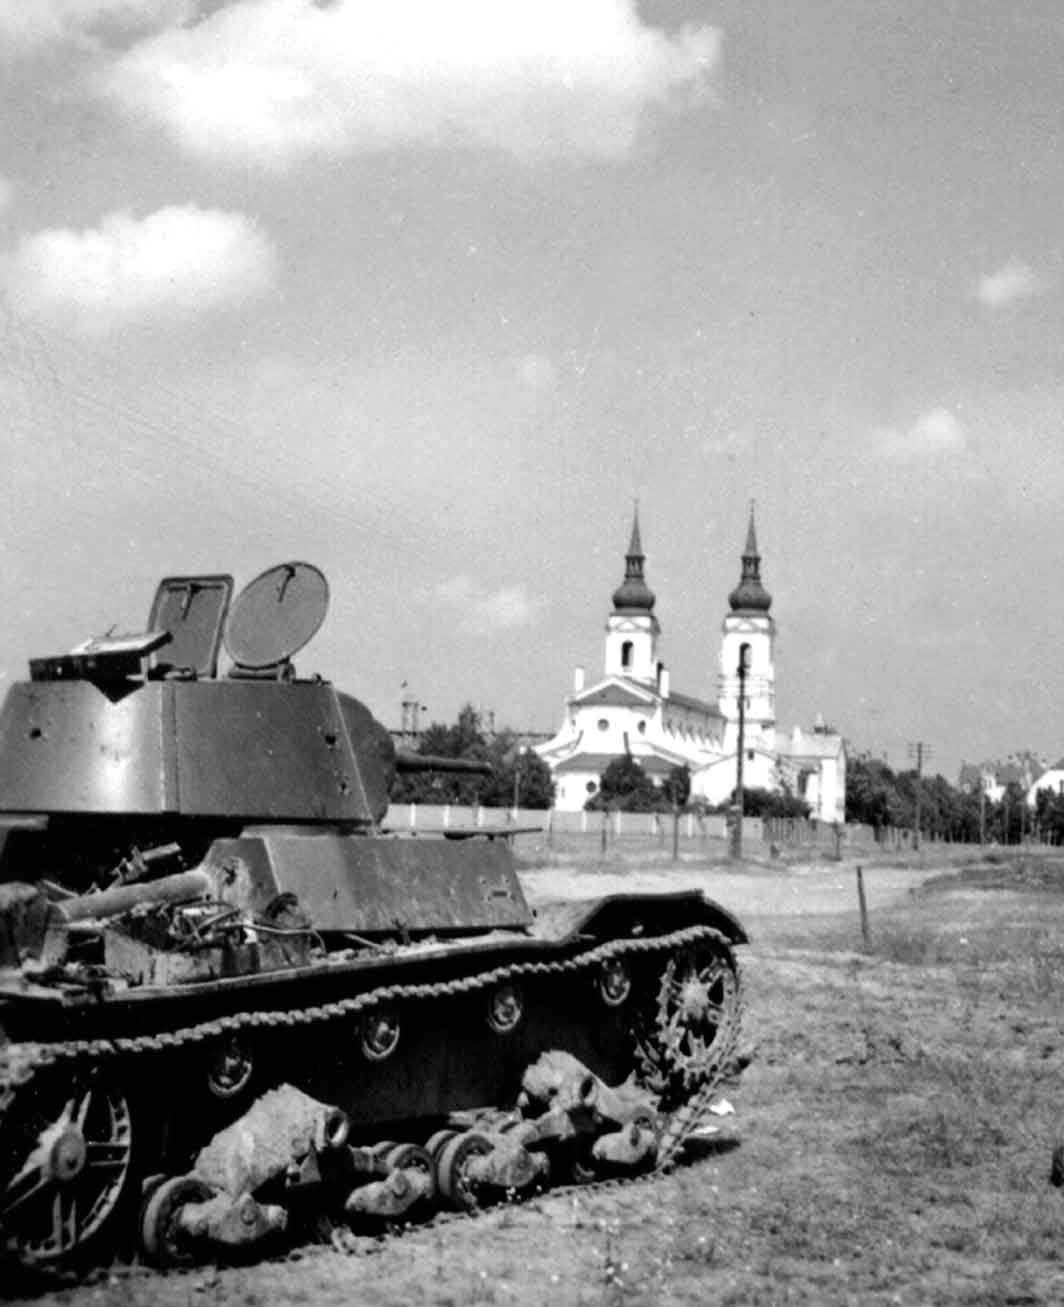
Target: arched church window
[[626, 654], [642, 728]]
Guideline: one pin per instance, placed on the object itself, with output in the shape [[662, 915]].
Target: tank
[[208, 936]]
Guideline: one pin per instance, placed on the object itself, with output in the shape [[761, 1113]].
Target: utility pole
[[921, 752], [982, 810], [737, 834]]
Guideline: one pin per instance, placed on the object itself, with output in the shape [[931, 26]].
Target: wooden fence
[[648, 828]]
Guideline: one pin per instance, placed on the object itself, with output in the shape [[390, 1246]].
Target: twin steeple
[[633, 595], [633, 634], [750, 596]]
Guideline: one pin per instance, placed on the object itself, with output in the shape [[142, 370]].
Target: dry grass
[[897, 1126]]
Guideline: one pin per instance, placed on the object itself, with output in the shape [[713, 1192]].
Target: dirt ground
[[894, 1127]]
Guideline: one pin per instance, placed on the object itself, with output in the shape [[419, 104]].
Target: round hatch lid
[[275, 615]]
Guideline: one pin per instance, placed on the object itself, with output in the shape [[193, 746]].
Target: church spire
[[750, 596], [633, 594]]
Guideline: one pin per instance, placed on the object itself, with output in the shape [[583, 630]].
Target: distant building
[[1052, 779], [634, 710], [1024, 769]]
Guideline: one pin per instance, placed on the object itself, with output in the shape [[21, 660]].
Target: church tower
[[632, 630], [749, 624]]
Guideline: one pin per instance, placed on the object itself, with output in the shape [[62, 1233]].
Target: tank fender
[[622, 915]]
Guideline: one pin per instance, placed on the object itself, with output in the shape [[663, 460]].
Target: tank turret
[[135, 741]]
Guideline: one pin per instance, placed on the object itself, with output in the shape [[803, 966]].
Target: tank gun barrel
[[179, 888], [407, 761]]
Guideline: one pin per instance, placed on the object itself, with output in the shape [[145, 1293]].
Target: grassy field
[[896, 1128]]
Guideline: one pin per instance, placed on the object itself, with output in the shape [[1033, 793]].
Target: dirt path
[[802, 890]]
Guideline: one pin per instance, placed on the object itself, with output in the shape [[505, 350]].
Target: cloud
[[482, 611], [937, 431], [28, 25], [1012, 281], [7, 192], [276, 80], [177, 262]]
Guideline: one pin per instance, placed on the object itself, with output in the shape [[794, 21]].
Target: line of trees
[[519, 776], [879, 797], [625, 787], [876, 795]]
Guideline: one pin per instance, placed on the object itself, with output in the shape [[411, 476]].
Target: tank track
[[21, 1063]]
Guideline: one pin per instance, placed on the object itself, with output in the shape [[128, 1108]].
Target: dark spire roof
[[750, 596], [633, 594]]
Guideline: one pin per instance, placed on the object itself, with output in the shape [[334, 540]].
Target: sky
[[429, 295]]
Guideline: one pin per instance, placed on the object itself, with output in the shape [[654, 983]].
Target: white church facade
[[634, 710]]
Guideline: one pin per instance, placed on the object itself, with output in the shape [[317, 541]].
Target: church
[[633, 709]]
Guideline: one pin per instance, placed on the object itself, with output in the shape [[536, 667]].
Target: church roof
[[598, 762], [622, 690], [633, 595], [617, 690], [698, 705], [750, 596]]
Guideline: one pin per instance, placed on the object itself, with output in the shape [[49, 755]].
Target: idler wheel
[[229, 1068], [65, 1166], [380, 1033], [452, 1164], [162, 1238], [506, 1007]]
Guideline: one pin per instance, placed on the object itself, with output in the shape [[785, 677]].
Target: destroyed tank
[[231, 1000]]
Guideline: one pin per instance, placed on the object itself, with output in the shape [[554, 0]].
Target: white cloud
[[26, 25], [275, 80], [177, 262], [482, 611], [1014, 280], [7, 192], [937, 431]]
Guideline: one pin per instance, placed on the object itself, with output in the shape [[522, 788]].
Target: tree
[[520, 777], [626, 787], [870, 785], [772, 803], [466, 740]]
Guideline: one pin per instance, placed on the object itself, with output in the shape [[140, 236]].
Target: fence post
[[862, 905]]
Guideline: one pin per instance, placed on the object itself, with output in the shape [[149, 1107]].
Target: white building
[[633, 708], [1052, 779]]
